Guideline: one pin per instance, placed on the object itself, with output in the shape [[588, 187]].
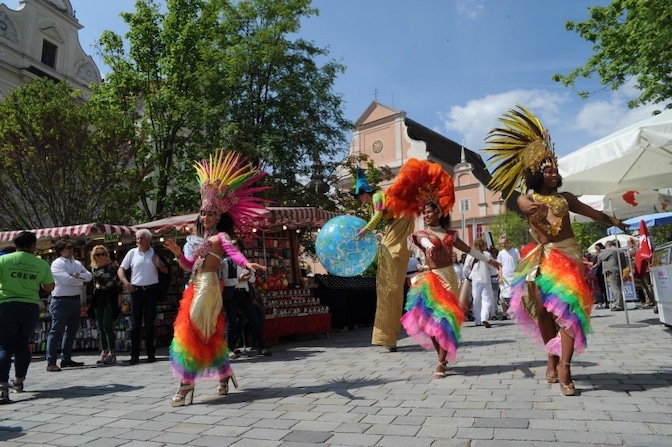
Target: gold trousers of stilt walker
[[393, 257]]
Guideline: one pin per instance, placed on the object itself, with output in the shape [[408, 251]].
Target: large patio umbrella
[[636, 158], [651, 220]]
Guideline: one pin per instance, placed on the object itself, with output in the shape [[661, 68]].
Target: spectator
[[603, 302], [22, 274], [65, 307], [143, 286], [613, 261], [509, 258], [240, 307], [106, 300], [481, 289]]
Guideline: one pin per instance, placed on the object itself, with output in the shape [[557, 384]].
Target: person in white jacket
[[69, 277], [481, 289]]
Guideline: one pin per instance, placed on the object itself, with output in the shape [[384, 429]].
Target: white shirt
[[143, 270], [66, 285], [245, 285], [509, 260], [478, 271]]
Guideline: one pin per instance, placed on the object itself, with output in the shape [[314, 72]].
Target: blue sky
[[452, 65]]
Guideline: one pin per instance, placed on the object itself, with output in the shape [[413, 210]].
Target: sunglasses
[[99, 255]]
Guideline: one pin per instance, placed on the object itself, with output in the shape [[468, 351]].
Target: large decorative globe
[[340, 251]]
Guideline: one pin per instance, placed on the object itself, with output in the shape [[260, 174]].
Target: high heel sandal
[[552, 373], [440, 373], [179, 399], [567, 389], [223, 387]]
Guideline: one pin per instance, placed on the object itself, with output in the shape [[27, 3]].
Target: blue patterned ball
[[340, 251]]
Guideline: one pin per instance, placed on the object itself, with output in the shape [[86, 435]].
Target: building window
[[49, 53], [464, 206]]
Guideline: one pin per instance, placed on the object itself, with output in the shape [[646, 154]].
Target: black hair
[[61, 245], [25, 240], [444, 221], [534, 180], [224, 225]]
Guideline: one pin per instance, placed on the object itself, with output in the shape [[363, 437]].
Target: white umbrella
[[624, 205], [638, 157], [624, 240]]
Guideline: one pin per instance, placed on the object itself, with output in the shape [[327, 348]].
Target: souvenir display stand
[[294, 312], [290, 309]]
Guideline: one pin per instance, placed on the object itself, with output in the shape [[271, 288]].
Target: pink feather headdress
[[227, 186]]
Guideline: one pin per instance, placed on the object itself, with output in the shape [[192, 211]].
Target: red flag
[[645, 251]]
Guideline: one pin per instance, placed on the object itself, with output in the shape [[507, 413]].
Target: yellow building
[[389, 138]]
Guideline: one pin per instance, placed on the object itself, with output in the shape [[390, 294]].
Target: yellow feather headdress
[[521, 145]]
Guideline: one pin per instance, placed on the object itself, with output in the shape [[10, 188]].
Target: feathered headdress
[[522, 145], [419, 183], [361, 183], [226, 182]]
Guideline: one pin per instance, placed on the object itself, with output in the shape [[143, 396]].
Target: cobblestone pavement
[[341, 391]]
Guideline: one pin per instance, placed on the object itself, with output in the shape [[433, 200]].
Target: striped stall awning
[[298, 217], [291, 217], [72, 231]]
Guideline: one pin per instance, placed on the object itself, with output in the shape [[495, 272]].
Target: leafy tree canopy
[[631, 40], [513, 226], [64, 161], [210, 74]]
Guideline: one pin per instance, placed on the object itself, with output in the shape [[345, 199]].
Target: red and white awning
[[72, 231], [291, 217], [299, 217]]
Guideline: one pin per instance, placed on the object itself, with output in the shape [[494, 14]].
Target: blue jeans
[[17, 325], [143, 307], [65, 321]]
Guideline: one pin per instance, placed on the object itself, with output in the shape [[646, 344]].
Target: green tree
[[588, 232], [64, 161], [661, 234], [210, 74], [631, 39], [512, 225]]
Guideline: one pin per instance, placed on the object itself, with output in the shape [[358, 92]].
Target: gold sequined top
[[559, 207]]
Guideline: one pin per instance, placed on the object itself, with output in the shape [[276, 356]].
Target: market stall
[[84, 237], [84, 233]]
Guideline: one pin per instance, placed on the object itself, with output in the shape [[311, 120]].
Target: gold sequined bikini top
[[560, 209]]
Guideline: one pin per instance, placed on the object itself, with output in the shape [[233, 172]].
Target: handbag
[[464, 293]]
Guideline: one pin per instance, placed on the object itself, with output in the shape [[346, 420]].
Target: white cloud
[[573, 122], [474, 120], [469, 9]]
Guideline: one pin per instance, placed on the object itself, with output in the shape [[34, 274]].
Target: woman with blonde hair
[[106, 300]]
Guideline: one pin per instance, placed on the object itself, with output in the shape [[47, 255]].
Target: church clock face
[[377, 146]]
